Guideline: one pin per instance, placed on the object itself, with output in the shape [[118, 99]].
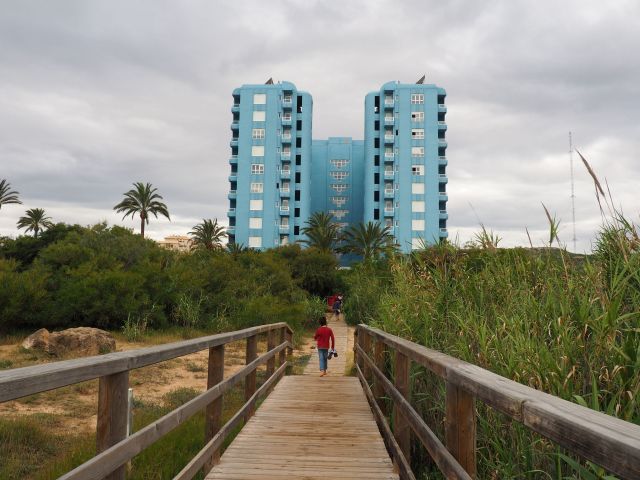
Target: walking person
[[337, 306], [322, 337]]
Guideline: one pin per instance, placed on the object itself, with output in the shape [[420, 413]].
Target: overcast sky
[[95, 95]]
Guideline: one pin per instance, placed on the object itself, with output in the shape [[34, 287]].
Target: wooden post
[[113, 393], [357, 340], [460, 427], [366, 346], [213, 418], [283, 353], [271, 344], [401, 429], [250, 380], [378, 389], [289, 337]]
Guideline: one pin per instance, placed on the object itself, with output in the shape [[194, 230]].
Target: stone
[[80, 341]]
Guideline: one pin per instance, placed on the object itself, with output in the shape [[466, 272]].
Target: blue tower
[[405, 162], [269, 198]]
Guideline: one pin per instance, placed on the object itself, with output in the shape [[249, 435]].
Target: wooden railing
[[114, 448], [607, 441]]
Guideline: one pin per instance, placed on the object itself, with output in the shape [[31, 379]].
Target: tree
[[368, 240], [7, 195], [208, 234], [322, 232], [142, 200], [34, 221]]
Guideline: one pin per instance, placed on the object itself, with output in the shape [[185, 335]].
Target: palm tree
[[34, 221], [7, 195], [368, 240], [236, 249], [322, 232], [208, 234], [142, 200]]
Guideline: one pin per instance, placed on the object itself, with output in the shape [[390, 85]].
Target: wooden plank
[[460, 427], [271, 342], [112, 415], [213, 417], [20, 382], [389, 440], [447, 464], [110, 459], [250, 380], [213, 444], [401, 429]]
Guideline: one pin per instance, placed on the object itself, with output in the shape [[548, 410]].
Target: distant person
[[322, 336], [337, 306]]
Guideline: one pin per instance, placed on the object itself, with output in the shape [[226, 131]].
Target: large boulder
[[81, 341]]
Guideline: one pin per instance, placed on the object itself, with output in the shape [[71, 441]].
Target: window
[[286, 116], [286, 151], [417, 151], [417, 116], [417, 170], [256, 188], [339, 163], [417, 98], [388, 152], [417, 243], [284, 222], [257, 151], [417, 188], [257, 134], [255, 205], [259, 116], [339, 187], [259, 98], [339, 201], [417, 207], [416, 133], [339, 175], [296, 212], [417, 225], [388, 206], [284, 239], [285, 186], [255, 242], [388, 223], [285, 205], [297, 195], [255, 223], [257, 168], [297, 177]]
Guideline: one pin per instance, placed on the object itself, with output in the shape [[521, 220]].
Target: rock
[[81, 341]]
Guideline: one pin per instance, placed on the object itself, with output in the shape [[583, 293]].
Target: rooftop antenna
[[573, 195], [270, 81], [421, 81]]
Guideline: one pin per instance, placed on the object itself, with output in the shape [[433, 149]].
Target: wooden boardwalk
[[310, 428]]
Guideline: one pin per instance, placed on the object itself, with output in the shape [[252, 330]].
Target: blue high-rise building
[[405, 162], [279, 176]]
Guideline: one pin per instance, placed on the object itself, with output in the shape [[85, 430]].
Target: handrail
[[20, 382], [114, 448], [605, 440]]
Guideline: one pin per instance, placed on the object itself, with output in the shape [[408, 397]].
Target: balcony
[[235, 108], [285, 157], [388, 155], [388, 139], [284, 228], [389, 193], [444, 233], [442, 108], [388, 212], [444, 215], [442, 197], [284, 210], [389, 120], [233, 142], [389, 174], [235, 125], [231, 230], [442, 160], [231, 212], [442, 142], [233, 160], [286, 121], [286, 138], [233, 177], [285, 193], [232, 194], [285, 174], [388, 102], [442, 178], [442, 125]]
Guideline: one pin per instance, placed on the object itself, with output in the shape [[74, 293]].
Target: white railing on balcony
[[286, 136], [286, 99], [388, 154], [443, 212], [442, 105], [388, 119], [232, 210], [388, 191], [388, 138], [442, 123], [232, 192]]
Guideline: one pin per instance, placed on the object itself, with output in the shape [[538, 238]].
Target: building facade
[[395, 176]]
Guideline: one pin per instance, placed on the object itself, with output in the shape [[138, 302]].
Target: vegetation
[[7, 195], [143, 201], [368, 240], [35, 221], [208, 235], [322, 232]]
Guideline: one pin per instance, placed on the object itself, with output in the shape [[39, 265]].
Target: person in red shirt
[[322, 336]]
